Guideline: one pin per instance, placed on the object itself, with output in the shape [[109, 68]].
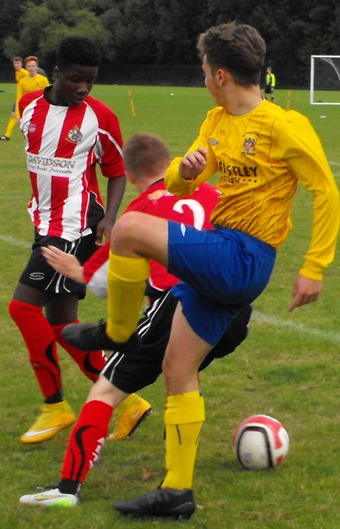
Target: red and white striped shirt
[[63, 146]]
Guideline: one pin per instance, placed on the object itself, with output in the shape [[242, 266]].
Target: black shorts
[[134, 371], [40, 275]]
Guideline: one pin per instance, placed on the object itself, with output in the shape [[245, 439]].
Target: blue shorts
[[222, 270]]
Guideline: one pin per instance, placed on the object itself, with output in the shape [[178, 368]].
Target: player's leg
[[235, 334], [9, 129], [10, 126], [85, 443], [61, 311], [142, 367], [40, 286], [184, 418], [135, 238], [26, 310]]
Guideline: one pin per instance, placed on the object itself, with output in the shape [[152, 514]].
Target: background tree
[[164, 32]]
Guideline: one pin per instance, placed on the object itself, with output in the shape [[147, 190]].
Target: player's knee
[[124, 231]]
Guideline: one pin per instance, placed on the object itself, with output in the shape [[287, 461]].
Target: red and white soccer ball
[[260, 443]]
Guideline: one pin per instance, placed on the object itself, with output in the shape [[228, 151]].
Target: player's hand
[[64, 263], [193, 164], [305, 291], [104, 229]]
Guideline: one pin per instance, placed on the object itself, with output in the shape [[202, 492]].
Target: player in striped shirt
[[67, 134]]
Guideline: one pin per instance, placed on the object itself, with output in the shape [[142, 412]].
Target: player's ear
[[221, 76]]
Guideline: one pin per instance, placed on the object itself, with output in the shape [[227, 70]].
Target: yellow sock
[[10, 126], [184, 418], [126, 286]]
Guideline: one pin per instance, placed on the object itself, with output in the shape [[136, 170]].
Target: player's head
[[77, 50], [31, 64], [238, 48], [78, 59], [145, 156], [17, 63]]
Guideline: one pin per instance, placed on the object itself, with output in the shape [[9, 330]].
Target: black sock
[[68, 486], [54, 399]]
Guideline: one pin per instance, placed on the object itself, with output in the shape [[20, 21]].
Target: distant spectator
[[270, 84]]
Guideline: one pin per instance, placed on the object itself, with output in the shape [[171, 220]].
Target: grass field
[[288, 367]]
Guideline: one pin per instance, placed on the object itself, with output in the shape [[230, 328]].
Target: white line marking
[[15, 242], [298, 327]]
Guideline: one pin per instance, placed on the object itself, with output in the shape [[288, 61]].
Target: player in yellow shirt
[[31, 83], [260, 153], [270, 83], [20, 73]]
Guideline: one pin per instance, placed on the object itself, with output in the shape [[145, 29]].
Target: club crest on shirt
[[75, 136], [249, 145]]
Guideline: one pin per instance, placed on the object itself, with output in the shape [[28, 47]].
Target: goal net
[[325, 80]]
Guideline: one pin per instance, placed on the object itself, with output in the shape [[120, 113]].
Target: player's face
[[32, 66], [73, 84], [17, 65]]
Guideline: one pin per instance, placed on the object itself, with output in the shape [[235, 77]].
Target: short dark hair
[[78, 50], [238, 48]]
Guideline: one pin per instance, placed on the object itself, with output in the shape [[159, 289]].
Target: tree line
[[164, 32]]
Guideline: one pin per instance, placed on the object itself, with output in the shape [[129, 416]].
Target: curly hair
[[78, 50]]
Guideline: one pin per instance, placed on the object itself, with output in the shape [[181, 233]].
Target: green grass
[[288, 367]]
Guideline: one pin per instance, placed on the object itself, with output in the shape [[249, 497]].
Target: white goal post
[[325, 80]]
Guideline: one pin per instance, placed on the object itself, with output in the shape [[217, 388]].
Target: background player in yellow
[[31, 83], [20, 73]]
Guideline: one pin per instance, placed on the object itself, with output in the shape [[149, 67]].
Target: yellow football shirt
[[30, 84], [260, 157], [20, 74]]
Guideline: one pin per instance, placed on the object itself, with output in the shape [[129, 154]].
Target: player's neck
[[243, 100]]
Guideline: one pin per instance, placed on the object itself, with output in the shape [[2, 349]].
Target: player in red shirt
[[67, 133], [146, 159]]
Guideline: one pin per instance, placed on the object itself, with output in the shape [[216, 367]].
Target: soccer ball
[[260, 443]]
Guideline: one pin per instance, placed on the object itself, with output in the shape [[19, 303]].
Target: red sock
[[86, 441], [40, 342], [90, 362]]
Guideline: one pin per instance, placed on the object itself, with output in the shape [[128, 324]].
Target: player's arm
[[109, 151], [184, 175], [115, 192], [308, 162]]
